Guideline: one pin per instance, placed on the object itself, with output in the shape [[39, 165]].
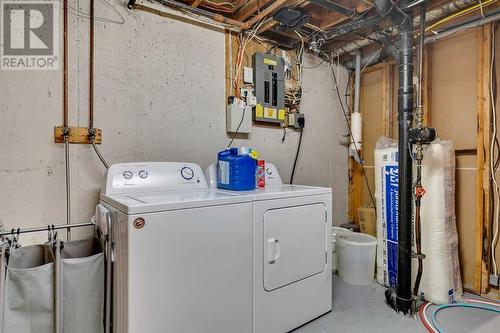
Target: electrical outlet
[[495, 280], [293, 119]]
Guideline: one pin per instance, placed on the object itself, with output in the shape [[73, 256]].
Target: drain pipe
[[356, 122], [401, 298]]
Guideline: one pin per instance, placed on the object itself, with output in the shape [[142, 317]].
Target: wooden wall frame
[[483, 159]]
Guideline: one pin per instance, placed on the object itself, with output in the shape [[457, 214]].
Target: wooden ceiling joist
[[269, 10], [249, 9], [196, 3]]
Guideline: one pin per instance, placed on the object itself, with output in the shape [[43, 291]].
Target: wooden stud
[[355, 178], [426, 86], [483, 160], [78, 135], [485, 265]]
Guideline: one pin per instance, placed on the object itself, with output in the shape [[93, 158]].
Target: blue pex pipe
[[459, 305]]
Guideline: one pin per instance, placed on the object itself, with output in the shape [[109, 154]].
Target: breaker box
[[269, 84]]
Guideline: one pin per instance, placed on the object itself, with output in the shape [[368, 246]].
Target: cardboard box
[[368, 220]]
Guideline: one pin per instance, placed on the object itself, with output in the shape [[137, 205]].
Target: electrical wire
[[296, 155], [496, 188], [361, 162], [80, 13], [243, 42], [237, 129], [368, 63]]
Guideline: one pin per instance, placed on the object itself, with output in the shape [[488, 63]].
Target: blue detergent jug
[[235, 171]]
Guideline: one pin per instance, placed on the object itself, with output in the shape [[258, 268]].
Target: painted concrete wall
[[159, 97]]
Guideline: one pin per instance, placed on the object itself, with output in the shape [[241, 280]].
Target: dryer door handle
[[273, 250]]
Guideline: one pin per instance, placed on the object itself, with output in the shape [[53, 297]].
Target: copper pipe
[[65, 65], [91, 67]]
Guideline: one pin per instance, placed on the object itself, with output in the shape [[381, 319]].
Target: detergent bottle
[[236, 170]]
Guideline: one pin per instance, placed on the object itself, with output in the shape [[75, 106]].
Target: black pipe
[[401, 298]]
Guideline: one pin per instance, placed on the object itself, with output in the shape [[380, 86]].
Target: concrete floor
[[363, 309]]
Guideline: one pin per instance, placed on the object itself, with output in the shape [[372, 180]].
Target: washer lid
[[141, 203], [355, 239], [280, 191]]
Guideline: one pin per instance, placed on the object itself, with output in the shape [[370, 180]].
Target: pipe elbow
[[390, 11]]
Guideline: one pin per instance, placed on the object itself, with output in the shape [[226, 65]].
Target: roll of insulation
[[356, 128], [441, 281], [386, 197]]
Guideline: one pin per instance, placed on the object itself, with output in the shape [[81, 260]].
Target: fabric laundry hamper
[[82, 269], [29, 291], [54, 288]]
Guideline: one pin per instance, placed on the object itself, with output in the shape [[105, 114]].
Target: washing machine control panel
[[153, 176]]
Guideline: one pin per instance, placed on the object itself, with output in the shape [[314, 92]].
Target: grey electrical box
[[269, 81]]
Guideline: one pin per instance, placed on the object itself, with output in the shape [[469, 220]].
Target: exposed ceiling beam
[[238, 4], [266, 26], [196, 3], [249, 9], [335, 7], [269, 9]]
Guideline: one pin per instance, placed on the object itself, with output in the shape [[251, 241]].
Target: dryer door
[[294, 244]]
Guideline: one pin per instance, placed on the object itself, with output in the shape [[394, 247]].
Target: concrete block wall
[[159, 96]]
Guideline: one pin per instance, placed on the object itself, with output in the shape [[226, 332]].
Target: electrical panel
[[269, 83]]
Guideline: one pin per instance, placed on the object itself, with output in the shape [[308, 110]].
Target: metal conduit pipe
[[432, 15], [401, 298], [477, 22]]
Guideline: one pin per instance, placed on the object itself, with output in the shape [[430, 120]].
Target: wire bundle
[[243, 40]]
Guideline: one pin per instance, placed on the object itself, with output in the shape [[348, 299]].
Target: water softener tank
[[235, 171]]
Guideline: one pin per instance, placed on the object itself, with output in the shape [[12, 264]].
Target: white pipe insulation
[[356, 120]]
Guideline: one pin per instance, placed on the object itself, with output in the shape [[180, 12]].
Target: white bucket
[[336, 232], [356, 255]]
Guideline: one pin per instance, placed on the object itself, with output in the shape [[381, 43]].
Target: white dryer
[[292, 281], [182, 251]]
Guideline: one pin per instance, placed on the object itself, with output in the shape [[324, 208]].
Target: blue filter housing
[[235, 172]]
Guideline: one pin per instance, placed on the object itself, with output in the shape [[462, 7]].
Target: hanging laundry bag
[[29, 291], [82, 269]]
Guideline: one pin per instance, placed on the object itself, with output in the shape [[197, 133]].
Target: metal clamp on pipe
[[422, 135]]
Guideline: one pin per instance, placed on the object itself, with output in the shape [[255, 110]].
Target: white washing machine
[[182, 251], [292, 280]]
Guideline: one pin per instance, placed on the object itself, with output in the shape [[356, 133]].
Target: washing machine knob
[[143, 174], [128, 175]]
